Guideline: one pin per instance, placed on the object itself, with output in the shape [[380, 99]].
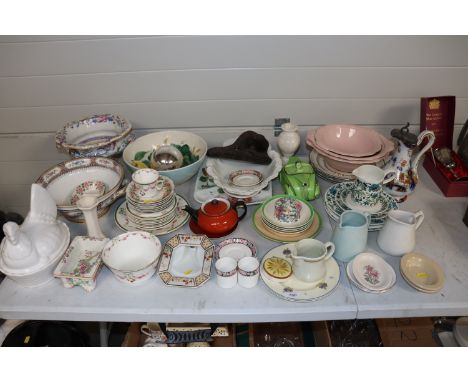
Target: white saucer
[[353, 280]]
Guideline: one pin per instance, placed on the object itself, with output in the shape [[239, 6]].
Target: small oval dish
[[245, 178], [422, 273], [236, 248], [103, 135], [132, 257]]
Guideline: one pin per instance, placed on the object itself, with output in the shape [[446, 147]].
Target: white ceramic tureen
[[30, 252], [100, 135]]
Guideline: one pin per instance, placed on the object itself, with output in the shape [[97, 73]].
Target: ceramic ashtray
[[81, 263], [245, 178], [236, 248]]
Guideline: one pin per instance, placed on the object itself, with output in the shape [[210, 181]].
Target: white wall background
[[212, 84]]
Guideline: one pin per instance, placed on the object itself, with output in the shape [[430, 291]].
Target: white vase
[[288, 141], [88, 205]]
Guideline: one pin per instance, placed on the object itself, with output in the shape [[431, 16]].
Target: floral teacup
[[148, 184]]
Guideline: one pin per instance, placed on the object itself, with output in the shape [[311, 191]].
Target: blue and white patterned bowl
[[104, 135]]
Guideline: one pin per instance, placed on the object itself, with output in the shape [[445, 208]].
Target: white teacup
[[309, 257], [226, 271], [148, 184]]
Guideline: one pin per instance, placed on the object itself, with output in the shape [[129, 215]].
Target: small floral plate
[[373, 272], [292, 289], [349, 272]]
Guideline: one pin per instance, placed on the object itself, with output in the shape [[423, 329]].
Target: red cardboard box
[[438, 115]]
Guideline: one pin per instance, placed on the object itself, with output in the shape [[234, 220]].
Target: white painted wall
[[211, 83]]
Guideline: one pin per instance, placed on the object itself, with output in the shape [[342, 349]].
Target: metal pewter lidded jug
[[404, 163]]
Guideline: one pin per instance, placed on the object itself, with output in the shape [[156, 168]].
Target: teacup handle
[[146, 330], [419, 216], [330, 250], [389, 171], [159, 184]]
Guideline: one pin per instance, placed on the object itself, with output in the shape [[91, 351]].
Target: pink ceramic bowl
[[387, 147], [348, 140], [347, 167]]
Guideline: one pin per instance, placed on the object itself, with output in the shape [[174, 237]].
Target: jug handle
[[330, 250], [462, 133], [419, 216], [424, 134], [389, 171], [368, 217]]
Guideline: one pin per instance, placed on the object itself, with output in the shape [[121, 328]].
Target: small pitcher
[[309, 257], [368, 185], [350, 235], [398, 235]]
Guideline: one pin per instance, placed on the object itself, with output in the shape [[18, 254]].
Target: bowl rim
[[201, 158], [108, 194], [117, 238], [60, 137]]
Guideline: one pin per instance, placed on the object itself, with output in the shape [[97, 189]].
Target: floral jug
[[404, 163]]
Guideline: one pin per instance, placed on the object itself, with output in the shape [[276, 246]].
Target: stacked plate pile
[[338, 199], [422, 273], [339, 149], [152, 215], [371, 273], [285, 218]]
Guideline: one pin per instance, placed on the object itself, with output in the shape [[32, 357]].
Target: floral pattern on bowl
[[288, 210], [90, 187], [100, 135]]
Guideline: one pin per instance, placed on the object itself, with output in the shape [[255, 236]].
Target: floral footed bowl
[[104, 135]]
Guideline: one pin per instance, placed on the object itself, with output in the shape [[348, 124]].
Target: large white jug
[[398, 235]]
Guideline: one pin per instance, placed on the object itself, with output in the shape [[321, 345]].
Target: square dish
[[81, 263], [186, 260]]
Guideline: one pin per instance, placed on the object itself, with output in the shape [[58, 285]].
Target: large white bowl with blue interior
[[153, 141]]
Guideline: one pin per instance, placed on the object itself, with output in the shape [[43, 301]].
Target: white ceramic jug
[[398, 235], [309, 257]]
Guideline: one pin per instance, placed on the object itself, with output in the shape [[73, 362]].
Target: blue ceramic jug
[[350, 235]]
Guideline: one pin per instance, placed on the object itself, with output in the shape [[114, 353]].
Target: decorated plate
[[181, 217], [186, 260], [372, 272], [291, 288], [284, 211], [282, 237]]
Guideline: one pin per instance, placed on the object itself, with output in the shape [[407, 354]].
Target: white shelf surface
[[442, 236], [154, 301]]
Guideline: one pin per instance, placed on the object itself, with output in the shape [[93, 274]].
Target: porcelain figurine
[[88, 205], [398, 235], [30, 252], [298, 179], [404, 163], [288, 141]]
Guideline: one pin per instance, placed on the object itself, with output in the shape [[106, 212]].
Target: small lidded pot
[[217, 217]]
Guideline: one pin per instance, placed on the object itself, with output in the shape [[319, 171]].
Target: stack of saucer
[[285, 218], [422, 273], [151, 214], [151, 205], [371, 273]]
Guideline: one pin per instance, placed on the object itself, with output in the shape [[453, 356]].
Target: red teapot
[[216, 217]]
